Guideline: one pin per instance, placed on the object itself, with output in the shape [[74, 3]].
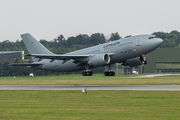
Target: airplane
[[130, 51]]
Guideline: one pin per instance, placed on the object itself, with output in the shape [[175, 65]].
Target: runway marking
[[91, 87]]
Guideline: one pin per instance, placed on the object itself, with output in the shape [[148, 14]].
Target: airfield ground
[[96, 79], [96, 104], [134, 105]]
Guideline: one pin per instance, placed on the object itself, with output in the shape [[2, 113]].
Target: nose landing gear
[[145, 62]]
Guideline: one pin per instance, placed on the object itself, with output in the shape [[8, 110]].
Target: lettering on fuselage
[[111, 44], [127, 51]]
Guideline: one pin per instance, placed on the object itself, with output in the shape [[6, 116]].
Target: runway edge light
[[84, 89]]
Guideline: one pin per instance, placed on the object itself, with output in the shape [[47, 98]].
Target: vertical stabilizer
[[34, 46]]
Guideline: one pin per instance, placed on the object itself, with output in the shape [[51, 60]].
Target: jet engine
[[99, 60], [135, 62]]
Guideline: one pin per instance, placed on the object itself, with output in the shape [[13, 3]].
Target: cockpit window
[[152, 37]]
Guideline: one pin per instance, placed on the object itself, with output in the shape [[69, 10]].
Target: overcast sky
[[46, 19]]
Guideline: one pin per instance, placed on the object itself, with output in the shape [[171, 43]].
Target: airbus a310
[[129, 51]]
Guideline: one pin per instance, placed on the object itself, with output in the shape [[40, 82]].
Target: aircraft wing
[[63, 57], [57, 57], [26, 64]]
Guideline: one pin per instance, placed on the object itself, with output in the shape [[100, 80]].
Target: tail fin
[[34, 46]]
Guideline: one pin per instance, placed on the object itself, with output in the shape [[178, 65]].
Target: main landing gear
[[109, 72], [87, 73]]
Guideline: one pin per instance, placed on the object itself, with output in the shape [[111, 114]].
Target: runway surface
[[152, 75], [91, 87]]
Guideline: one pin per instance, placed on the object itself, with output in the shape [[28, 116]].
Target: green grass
[[96, 79], [134, 105]]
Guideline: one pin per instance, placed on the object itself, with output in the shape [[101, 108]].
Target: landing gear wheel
[[90, 73], [84, 73], [87, 73], [106, 73], [145, 62], [111, 73]]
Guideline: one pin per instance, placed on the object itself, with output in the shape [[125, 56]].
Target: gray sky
[[46, 19]]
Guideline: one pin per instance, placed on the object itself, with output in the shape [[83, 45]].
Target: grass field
[[54, 104], [96, 79], [134, 105]]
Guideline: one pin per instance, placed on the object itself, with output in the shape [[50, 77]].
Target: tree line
[[170, 40]]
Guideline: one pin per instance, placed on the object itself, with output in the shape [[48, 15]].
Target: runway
[[151, 76], [91, 87]]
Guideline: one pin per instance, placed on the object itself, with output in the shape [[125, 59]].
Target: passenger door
[[138, 41]]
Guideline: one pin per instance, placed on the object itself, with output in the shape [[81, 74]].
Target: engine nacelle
[[135, 62], [99, 60]]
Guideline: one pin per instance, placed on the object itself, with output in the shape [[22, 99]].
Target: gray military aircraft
[[130, 51]]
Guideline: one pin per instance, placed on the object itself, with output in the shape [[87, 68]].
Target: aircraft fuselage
[[122, 49]]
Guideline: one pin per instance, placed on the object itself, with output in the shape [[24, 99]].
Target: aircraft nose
[[159, 41]]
